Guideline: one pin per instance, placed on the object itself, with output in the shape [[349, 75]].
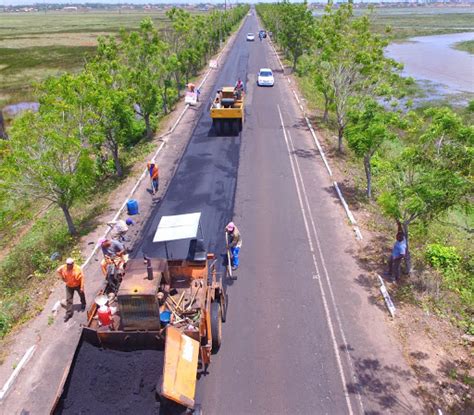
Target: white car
[[265, 77], [250, 37]]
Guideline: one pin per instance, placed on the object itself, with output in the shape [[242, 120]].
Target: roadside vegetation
[[467, 46], [59, 161]]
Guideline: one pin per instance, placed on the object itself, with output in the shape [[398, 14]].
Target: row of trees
[[424, 160], [86, 120]]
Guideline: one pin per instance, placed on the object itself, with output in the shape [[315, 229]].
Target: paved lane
[[298, 339], [277, 355]]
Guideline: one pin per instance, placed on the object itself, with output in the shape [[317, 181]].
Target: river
[[432, 58]]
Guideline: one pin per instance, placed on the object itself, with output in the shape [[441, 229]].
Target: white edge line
[[320, 149], [323, 294], [24, 360], [357, 231], [386, 296], [344, 203]]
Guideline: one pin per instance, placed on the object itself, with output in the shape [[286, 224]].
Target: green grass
[[34, 46], [13, 25], [407, 22], [467, 46]]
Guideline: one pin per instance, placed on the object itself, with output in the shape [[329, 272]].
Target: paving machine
[[175, 306], [227, 111]]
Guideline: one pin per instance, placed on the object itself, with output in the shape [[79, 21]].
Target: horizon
[[9, 3]]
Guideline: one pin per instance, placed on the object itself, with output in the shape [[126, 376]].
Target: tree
[[434, 173], [45, 159], [368, 129], [112, 105], [142, 56], [352, 62]]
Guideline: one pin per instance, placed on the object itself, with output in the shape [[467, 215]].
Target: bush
[[441, 257]]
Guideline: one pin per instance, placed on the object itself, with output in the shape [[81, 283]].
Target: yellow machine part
[[227, 113], [180, 368]]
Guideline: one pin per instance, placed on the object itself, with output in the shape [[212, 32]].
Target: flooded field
[[440, 69]]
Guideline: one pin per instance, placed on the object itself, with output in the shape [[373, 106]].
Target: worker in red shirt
[[72, 275], [154, 176]]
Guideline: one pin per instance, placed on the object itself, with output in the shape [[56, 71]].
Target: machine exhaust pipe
[[149, 268]]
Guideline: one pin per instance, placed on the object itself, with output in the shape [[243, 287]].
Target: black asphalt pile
[[112, 382]]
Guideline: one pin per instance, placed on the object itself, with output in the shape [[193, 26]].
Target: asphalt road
[[300, 337], [278, 355]]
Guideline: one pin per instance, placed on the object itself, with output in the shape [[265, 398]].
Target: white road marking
[[300, 189], [24, 360], [326, 273]]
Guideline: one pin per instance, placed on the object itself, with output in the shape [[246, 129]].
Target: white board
[[175, 227]]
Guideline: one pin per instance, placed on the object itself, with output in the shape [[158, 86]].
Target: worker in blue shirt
[[399, 252]]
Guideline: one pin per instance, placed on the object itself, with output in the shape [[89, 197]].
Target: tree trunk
[[118, 165], [326, 107], [340, 136], [3, 132], [407, 256], [70, 223], [368, 175], [149, 132]]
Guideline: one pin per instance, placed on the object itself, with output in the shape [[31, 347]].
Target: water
[[431, 59], [15, 109]]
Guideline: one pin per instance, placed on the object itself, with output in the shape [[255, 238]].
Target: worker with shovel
[[234, 243], [154, 176], [72, 275]]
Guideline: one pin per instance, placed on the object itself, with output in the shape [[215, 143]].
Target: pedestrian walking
[[154, 176], [72, 275], [399, 252], [235, 243]]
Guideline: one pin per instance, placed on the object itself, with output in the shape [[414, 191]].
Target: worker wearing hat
[[235, 243], [72, 275], [153, 171]]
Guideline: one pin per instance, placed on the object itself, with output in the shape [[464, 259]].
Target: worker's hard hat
[[230, 226], [102, 240], [129, 222], [69, 261]]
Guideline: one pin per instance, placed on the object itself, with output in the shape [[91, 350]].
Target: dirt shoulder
[[55, 340], [439, 353]]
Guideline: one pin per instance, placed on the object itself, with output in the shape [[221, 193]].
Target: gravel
[[112, 382]]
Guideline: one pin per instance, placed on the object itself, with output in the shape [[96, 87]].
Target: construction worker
[[120, 228], [235, 243], [72, 275], [114, 252], [154, 176], [238, 89]]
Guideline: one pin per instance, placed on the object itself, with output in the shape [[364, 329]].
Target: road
[[299, 338]]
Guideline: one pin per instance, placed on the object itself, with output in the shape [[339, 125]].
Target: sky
[[30, 2]]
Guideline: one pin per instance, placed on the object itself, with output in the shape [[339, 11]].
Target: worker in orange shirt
[[154, 176], [72, 275]]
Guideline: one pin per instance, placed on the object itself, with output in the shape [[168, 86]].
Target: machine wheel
[[235, 127], [217, 126], [240, 125], [216, 326]]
